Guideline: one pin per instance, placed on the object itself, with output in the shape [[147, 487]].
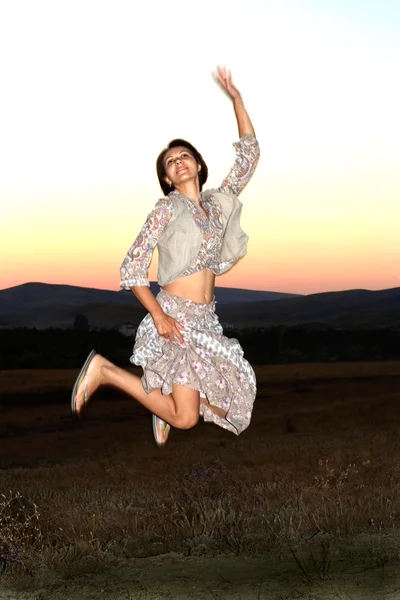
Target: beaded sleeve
[[247, 155], [135, 266]]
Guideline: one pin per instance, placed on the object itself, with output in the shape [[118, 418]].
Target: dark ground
[[304, 416]]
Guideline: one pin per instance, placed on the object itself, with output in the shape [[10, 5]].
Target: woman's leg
[[180, 409], [215, 409]]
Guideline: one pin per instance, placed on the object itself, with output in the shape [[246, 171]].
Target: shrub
[[20, 533]]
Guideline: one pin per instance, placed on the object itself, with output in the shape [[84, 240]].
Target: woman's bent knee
[[187, 403], [186, 421]]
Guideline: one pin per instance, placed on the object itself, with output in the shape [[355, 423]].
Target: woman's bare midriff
[[198, 287]]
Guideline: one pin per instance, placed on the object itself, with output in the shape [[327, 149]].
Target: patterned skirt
[[208, 362]]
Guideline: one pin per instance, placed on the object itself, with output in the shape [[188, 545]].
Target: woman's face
[[180, 166]]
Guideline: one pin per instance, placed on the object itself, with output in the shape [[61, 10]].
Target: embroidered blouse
[[207, 217]]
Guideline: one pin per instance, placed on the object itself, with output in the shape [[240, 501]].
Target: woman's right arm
[[135, 266]]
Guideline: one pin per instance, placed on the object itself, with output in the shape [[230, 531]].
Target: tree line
[[23, 348]]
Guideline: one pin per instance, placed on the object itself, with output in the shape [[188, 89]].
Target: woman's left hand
[[224, 78]]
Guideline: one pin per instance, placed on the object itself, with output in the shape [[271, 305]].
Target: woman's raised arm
[[224, 78], [247, 148]]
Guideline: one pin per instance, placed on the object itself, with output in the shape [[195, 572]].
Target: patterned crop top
[[207, 217]]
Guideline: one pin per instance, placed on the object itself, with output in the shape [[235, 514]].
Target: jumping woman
[[189, 367]]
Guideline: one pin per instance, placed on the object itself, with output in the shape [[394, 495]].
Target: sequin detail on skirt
[[208, 362]]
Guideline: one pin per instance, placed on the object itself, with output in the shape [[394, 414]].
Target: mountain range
[[43, 305]]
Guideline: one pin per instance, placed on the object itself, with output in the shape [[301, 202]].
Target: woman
[[189, 367]]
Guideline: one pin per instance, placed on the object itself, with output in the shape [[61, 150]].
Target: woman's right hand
[[168, 328]]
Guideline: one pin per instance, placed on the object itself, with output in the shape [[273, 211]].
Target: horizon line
[[220, 286]]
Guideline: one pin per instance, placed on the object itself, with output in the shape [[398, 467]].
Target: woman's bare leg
[[180, 409], [215, 409]]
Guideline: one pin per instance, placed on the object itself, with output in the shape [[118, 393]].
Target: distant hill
[[43, 305], [351, 308]]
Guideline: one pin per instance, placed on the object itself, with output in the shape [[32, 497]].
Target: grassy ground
[[315, 481]]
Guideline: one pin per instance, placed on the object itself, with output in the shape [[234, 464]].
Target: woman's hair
[[203, 174]]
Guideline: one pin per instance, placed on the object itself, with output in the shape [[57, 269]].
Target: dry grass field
[[304, 504]]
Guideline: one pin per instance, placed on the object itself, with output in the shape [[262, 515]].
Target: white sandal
[[82, 377], [165, 428]]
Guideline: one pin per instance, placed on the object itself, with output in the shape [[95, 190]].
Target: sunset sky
[[92, 90]]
